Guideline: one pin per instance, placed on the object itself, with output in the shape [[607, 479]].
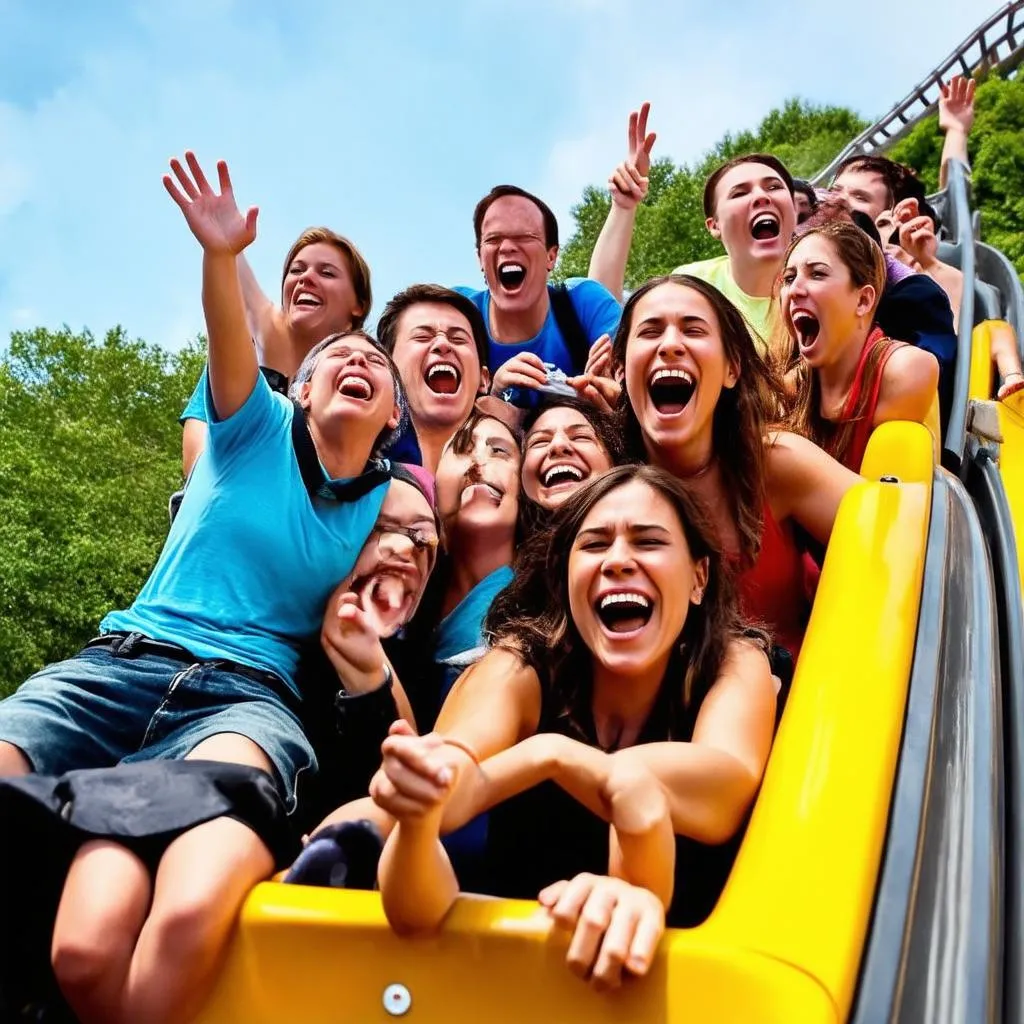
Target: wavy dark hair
[[533, 518], [742, 416], [531, 616], [863, 259]]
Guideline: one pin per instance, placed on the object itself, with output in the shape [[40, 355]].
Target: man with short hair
[[529, 322], [439, 343]]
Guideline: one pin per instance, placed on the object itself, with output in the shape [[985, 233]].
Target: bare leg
[[203, 879], [13, 760], [104, 903], [362, 809]]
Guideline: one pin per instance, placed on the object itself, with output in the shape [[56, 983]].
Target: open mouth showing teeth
[[624, 613], [356, 387], [807, 328], [764, 227], [511, 275], [671, 390], [305, 299], [443, 379], [559, 475]]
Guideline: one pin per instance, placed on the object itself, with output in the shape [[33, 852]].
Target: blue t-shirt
[[251, 558], [196, 407], [597, 310]]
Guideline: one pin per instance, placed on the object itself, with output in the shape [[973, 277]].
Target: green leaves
[[670, 226], [90, 450]]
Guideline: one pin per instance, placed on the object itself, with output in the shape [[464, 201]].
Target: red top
[[773, 590], [865, 424]]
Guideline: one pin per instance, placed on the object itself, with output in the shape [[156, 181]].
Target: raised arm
[[956, 115], [628, 186], [223, 232]]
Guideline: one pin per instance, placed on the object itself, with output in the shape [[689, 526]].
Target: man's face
[[439, 365], [754, 213], [863, 190], [515, 261]]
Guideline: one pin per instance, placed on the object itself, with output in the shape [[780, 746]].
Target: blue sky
[[386, 121]]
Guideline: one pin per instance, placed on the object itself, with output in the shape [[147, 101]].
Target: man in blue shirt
[[529, 322]]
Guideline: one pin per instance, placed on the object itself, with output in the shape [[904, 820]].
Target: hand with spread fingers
[[956, 105], [615, 926], [601, 391], [416, 775], [628, 183], [599, 359], [215, 220]]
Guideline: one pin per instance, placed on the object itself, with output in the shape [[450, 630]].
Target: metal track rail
[[996, 45]]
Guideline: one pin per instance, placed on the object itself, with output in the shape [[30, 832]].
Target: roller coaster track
[[997, 45]]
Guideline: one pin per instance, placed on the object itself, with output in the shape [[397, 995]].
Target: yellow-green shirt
[[761, 314]]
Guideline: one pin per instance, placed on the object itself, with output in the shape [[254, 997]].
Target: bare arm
[[910, 381], [264, 318], [956, 116], [806, 484], [628, 186], [223, 232]]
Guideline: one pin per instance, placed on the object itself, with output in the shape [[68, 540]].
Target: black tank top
[[544, 835]]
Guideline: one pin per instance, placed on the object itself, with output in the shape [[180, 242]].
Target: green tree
[[996, 150], [670, 223], [90, 450]]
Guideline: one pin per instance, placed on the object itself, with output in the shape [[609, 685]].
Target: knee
[[185, 927], [84, 961]]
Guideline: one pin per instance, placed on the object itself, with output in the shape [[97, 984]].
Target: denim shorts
[[96, 710]]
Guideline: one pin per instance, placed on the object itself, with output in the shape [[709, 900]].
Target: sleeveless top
[[872, 386], [543, 835], [774, 590]]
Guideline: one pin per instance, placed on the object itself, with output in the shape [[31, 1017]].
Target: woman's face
[[478, 489], [318, 295], [393, 568], [676, 365], [821, 305], [632, 580], [560, 453]]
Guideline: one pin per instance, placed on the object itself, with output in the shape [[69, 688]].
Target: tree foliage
[[996, 151], [670, 223], [90, 450]]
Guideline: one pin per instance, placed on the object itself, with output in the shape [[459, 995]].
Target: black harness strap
[[377, 471], [569, 326]]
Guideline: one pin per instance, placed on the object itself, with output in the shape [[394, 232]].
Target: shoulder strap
[[569, 326], [312, 473]]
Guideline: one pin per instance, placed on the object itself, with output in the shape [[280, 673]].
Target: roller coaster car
[[842, 815]]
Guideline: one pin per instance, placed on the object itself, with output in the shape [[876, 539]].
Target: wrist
[[364, 684]]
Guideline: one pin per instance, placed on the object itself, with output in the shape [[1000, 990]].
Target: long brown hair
[[531, 616], [358, 268], [863, 259], [742, 415]]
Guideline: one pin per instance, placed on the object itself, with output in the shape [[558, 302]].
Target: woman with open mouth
[[852, 377], [620, 690], [197, 678], [325, 289], [566, 442], [698, 402]]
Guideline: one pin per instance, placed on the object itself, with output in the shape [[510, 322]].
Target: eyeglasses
[[492, 241], [423, 540]]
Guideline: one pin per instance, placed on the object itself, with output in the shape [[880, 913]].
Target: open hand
[[956, 105], [615, 926], [628, 183], [599, 359], [601, 391], [215, 220]]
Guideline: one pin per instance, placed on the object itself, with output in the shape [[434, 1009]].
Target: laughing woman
[[853, 378], [694, 403], [621, 690], [566, 442], [202, 666]]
